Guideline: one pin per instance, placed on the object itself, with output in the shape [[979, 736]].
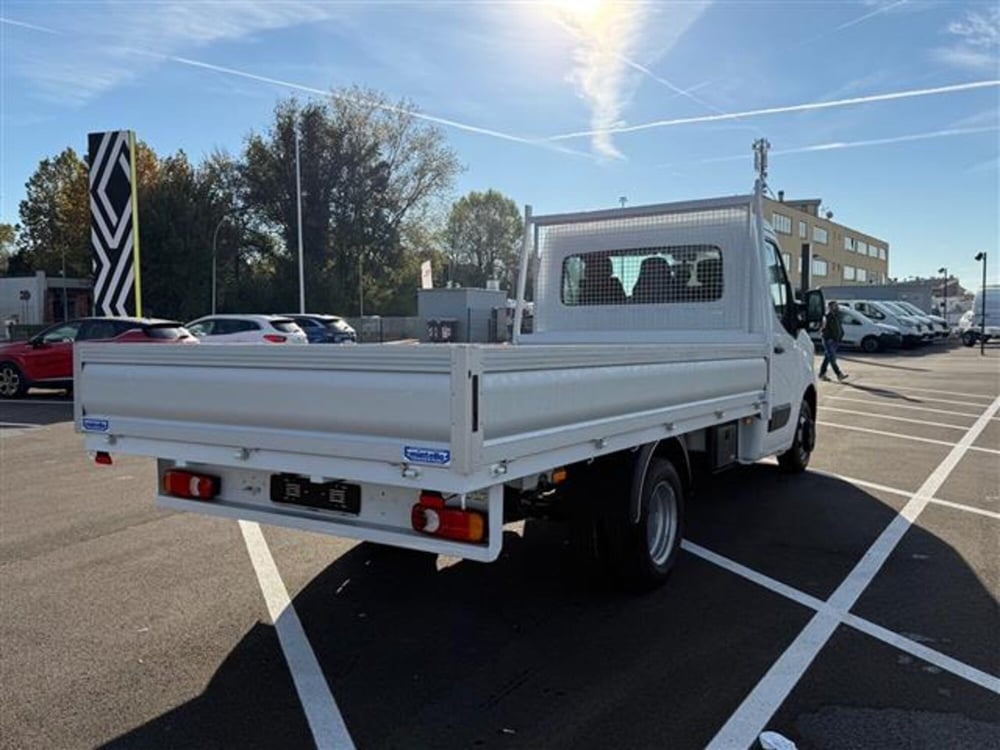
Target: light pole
[[982, 325], [945, 272], [215, 237], [65, 300], [298, 206]]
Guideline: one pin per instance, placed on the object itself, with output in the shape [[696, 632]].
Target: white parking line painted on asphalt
[[19, 424], [894, 405], [325, 721], [905, 437], [750, 719], [942, 661], [966, 508], [896, 419], [906, 493], [984, 399], [938, 659]]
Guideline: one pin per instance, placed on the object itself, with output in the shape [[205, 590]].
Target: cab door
[[791, 360]]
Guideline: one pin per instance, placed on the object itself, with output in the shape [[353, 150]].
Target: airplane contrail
[[866, 16], [837, 145], [33, 27], [392, 108], [783, 110], [540, 142]]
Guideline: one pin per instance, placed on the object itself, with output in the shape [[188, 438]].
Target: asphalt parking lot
[[855, 606]]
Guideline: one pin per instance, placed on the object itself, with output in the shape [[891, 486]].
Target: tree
[[367, 168], [8, 240], [483, 239], [55, 217]]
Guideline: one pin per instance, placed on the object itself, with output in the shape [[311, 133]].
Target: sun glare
[[582, 11]]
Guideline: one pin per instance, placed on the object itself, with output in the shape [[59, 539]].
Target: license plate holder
[[291, 489]]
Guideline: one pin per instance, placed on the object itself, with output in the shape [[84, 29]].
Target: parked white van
[[863, 333], [940, 325], [930, 330], [972, 326], [912, 331]]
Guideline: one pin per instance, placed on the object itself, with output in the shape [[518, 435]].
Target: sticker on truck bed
[[433, 456], [95, 424]]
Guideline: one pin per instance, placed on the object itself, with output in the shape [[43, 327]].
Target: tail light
[[190, 484], [430, 516], [103, 458], [275, 338]]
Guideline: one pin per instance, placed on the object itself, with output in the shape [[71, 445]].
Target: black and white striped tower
[[114, 227]]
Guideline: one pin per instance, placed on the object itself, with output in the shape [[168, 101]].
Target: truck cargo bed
[[455, 417]]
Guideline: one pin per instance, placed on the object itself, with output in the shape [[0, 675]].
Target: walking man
[[833, 333]]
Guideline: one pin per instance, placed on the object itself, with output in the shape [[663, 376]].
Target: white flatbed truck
[[666, 338]]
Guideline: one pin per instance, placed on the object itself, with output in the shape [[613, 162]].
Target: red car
[[46, 360]]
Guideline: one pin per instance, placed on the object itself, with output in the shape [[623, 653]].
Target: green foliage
[[372, 176], [55, 217], [8, 240], [483, 239]]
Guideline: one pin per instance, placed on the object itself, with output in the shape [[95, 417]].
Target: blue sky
[[887, 110]]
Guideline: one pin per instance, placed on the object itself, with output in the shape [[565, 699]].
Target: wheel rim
[[661, 522], [10, 381], [806, 437]]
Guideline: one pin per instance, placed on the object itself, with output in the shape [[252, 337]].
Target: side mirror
[[811, 310], [36, 342]]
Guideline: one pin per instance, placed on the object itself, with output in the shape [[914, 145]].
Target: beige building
[[841, 256]]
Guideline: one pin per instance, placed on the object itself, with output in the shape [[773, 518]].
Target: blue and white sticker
[[95, 424], [434, 456]]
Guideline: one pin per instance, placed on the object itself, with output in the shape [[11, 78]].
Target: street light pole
[[298, 205], [982, 324], [65, 300], [215, 237], [945, 272]]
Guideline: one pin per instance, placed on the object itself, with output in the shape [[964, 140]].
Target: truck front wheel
[[796, 458], [642, 551]]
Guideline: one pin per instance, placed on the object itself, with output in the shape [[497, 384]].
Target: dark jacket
[[833, 329]]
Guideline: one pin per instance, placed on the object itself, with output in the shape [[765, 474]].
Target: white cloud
[[977, 42], [107, 37], [608, 36]]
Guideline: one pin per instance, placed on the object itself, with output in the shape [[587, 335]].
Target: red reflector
[[430, 516], [188, 484], [274, 338], [103, 458]]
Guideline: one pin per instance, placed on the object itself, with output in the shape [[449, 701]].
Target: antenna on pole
[[760, 149]]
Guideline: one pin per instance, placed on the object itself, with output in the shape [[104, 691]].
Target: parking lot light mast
[[215, 238], [982, 324], [298, 208], [944, 271], [65, 299]]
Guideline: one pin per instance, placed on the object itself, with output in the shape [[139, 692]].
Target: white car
[[863, 333], [913, 332], [247, 329]]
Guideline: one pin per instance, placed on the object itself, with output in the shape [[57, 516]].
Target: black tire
[[12, 384], [641, 553], [869, 344], [969, 338], [796, 458]]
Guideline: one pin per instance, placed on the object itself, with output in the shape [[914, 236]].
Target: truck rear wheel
[[641, 551], [796, 458]]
